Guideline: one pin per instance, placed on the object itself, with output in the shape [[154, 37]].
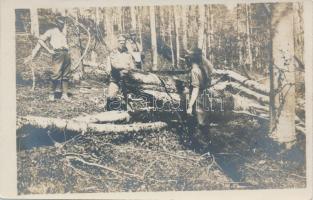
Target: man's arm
[[33, 54], [39, 44], [44, 45], [42, 41]]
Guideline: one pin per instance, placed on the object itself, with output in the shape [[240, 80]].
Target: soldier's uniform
[[120, 63]]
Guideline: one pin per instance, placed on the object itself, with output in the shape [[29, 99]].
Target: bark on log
[[78, 126], [240, 89], [168, 89], [253, 85]]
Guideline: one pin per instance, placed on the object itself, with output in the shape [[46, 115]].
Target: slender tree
[[208, 36], [119, 17], [153, 38], [140, 26], [34, 21], [170, 22], [133, 17], [185, 26], [211, 31], [176, 17], [201, 9], [250, 61], [162, 25], [109, 27], [238, 34]]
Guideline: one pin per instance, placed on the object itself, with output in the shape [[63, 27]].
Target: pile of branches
[[149, 163]]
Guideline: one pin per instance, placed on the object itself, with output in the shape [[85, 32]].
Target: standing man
[[135, 49], [61, 61], [199, 82], [120, 63]]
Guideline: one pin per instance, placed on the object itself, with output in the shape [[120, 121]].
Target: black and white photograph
[[160, 98]]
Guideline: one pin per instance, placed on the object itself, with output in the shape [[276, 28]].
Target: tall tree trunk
[[133, 17], [93, 53], [162, 25], [122, 20], [185, 26], [208, 29], [140, 26], [211, 32], [283, 75], [201, 10], [250, 61], [238, 35], [170, 22], [109, 27], [153, 38], [119, 19], [176, 13], [34, 22]]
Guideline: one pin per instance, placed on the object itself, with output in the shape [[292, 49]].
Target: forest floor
[[238, 155]]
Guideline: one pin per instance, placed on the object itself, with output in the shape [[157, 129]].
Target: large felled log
[[253, 85], [165, 91], [104, 117], [247, 92], [79, 126], [147, 80]]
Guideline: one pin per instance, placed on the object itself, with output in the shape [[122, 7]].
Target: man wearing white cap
[[119, 62]]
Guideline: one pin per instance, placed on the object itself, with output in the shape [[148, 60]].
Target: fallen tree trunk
[[244, 91], [147, 80], [242, 94], [78, 126], [104, 117], [253, 85]]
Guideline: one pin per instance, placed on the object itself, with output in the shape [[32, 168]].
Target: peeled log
[[78, 126], [104, 117]]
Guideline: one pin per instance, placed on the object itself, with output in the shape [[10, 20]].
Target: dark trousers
[[61, 70]]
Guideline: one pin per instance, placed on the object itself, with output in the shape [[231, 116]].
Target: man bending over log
[[120, 62], [61, 60], [199, 82]]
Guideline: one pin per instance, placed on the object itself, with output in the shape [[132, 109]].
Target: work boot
[[65, 97], [52, 87], [51, 97]]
